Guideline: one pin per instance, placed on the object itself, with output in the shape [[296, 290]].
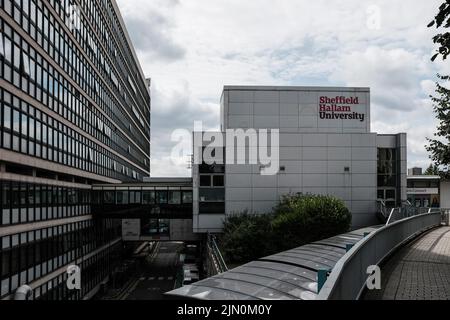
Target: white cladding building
[[325, 146]]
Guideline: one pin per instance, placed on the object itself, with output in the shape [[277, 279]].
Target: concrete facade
[[317, 155], [292, 109], [445, 194]]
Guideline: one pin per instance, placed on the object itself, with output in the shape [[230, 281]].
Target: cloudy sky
[[192, 48]]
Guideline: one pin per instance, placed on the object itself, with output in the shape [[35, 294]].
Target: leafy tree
[[432, 170], [246, 237], [439, 146], [297, 220], [442, 19], [301, 219]]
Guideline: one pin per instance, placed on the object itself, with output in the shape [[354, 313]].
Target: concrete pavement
[[159, 275], [419, 271]]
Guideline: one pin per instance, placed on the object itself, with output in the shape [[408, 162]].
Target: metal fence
[[215, 262], [397, 214]]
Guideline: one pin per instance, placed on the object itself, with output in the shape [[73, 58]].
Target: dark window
[[218, 181], [205, 181], [212, 208], [135, 197], [380, 194], [213, 194], [148, 197], [386, 181], [174, 197], [161, 197], [218, 168], [6, 194], [187, 196], [390, 194], [108, 197], [122, 197]]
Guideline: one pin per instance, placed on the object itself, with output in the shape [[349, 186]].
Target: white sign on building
[[422, 191], [131, 229]]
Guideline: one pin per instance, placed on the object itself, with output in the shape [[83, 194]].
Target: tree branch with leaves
[[439, 146], [442, 19]]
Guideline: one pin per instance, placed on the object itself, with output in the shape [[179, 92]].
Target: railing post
[[322, 276]]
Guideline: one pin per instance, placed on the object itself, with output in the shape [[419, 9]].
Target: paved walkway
[[419, 271]]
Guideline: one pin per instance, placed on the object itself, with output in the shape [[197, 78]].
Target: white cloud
[[192, 49]]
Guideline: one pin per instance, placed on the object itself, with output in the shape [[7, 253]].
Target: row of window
[[104, 20], [31, 255], [212, 187], [387, 168], [155, 227], [26, 202], [95, 53], [212, 180], [28, 70], [39, 22], [423, 183], [93, 271], [79, 113], [29, 131], [123, 197]]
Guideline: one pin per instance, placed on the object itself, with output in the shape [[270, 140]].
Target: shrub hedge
[[295, 221]]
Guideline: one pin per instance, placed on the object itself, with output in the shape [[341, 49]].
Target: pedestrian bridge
[[331, 269], [168, 198], [420, 270], [156, 209]]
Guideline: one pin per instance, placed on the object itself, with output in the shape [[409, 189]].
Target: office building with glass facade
[[75, 111]]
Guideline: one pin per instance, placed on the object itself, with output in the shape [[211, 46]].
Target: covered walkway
[[289, 275]]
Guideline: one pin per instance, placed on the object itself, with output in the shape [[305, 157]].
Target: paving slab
[[419, 271]]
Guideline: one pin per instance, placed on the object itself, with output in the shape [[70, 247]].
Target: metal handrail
[[221, 260], [348, 277], [216, 255], [390, 216], [409, 211], [383, 208]]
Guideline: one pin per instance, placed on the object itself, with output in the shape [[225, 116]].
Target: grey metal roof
[[295, 88], [423, 177], [289, 275]]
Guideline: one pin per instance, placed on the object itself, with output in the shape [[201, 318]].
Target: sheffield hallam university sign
[[340, 108]]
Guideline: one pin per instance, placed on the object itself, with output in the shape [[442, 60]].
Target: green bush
[[246, 237], [297, 220], [301, 219]]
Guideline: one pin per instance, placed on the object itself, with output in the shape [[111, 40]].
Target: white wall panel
[[289, 97], [238, 180], [314, 180], [241, 96], [339, 153], [240, 108], [315, 166], [265, 194]]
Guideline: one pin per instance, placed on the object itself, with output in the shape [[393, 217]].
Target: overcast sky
[[192, 48]]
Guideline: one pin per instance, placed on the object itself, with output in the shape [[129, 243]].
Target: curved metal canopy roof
[[289, 275]]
